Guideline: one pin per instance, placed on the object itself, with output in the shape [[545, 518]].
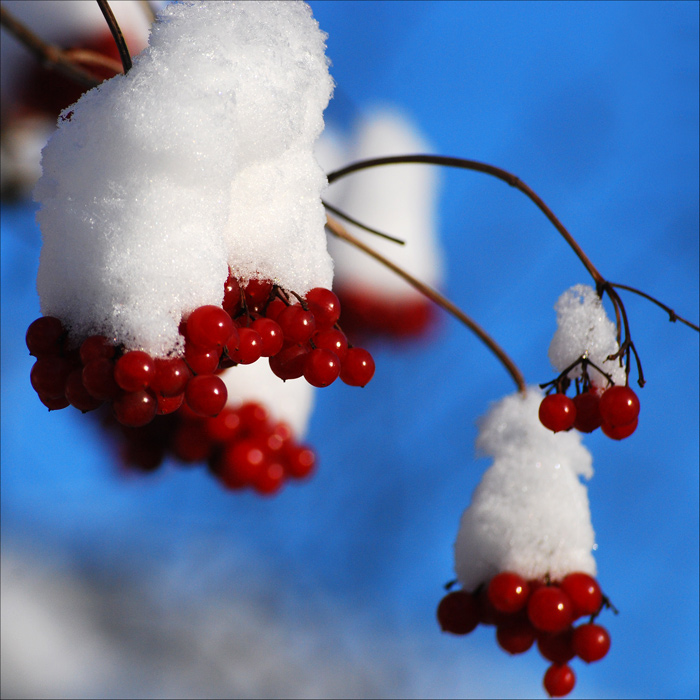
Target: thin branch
[[477, 166], [337, 229], [116, 34], [92, 58], [673, 316], [51, 56], [359, 224]]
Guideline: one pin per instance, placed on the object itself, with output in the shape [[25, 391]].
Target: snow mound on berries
[[199, 159], [530, 512], [290, 402], [399, 199], [583, 328]]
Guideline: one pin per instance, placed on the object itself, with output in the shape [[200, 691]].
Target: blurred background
[[117, 585]]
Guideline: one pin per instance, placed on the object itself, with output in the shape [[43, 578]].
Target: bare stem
[[49, 55], [116, 34], [359, 224], [337, 229], [673, 316]]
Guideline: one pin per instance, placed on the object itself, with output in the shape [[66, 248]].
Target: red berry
[[54, 404], [169, 404], [241, 462], [458, 613], [619, 432], [232, 296], [45, 336], [254, 419], [77, 394], [48, 376], [98, 379], [201, 361], [584, 592], [209, 327], [550, 609], [325, 307], [134, 370], [297, 324], [508, 592], [206, 395], [289, 362], [271, 336], [321, 368], [333, 340], [591, 642], [557, 647], [171, 376], [191, 443], [96, 346], [257, 292], [274, 309], [619, 406], [300, 461], [559, 680], [557, 412], [516, 637], [224, 427], [269, 479], [135, 408], [248, 349], [587, 413], [357, 368]]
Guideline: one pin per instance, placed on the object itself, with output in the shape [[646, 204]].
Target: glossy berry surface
[[135, 409], [559, 680], [206, 395], [584, 592], [550, 609], [297, 324], [45, 336], [619, 432], [515, 637], [557, 412], [508, 592], [619, 406], [457, 613], [321, 367], [557, 648], [587, 412], [48, 376], [96, 346], [209, 327], [357, 368], [324, 305], [271, 336], [134, 370], [591, 642]]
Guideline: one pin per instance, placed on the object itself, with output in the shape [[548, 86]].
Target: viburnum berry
[[515, 636], [584, 592], [206, 394], [289, 362], [550, 609], [134, 370], [209, 327], [508, 592], [257, 292], [169, 404], [274, 309], [271, 336], [324, 305], [559, 680], [77, 394], [619, 406], [269, 479], [98, 379], [458, 613], [232, 296], [557, 648], [557, 412], [357, 368], [298, 325], [587, 413], [224, 427], [171, 376], [45, 336], [54, 404], [619, 432], [191, 443], [333, 340], [591, 642], [96, 346], [48, 376], [249, 347], [321, 368], [300, 461], [201, 361], [241, 461], [136, 408], [254, 419]]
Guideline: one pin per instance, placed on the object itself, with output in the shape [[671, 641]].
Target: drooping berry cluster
[[614, 410], [243, 447], [526, 613], [257, 320]]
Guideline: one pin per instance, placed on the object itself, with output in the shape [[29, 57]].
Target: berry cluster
[[243, 447], [528, 612], [257, 320], [615, 411]]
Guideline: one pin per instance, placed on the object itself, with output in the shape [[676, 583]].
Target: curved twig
[[116, 34], [337, 229], [359, 224], [673, 316]]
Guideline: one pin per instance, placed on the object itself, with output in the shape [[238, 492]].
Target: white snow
[[290, 402], [398, 199], [530, 512], [198, 159], [583, 328]]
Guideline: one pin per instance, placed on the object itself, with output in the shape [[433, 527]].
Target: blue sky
[[595, 106]]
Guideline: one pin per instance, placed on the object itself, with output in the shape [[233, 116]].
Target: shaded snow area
[[530, 512], [193, 162]]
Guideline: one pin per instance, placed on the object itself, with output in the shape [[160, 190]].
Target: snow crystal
[[290, 401], [198, 159], [583, 328], [530, 512], [398, 199]]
